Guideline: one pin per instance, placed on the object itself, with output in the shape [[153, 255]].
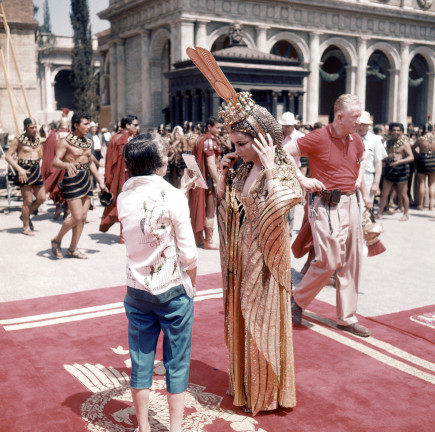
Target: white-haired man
[[336, 157]]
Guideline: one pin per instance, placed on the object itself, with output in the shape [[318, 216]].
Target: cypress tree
[[82, 78], [46, 27]]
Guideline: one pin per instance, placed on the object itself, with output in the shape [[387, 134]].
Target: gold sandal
[[55, 248], [76, 254]]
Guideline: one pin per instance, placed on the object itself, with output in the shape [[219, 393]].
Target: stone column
[[300, 105], [431, 95], [274, 103], [120, 82], [196, 109], [187, 110], [146, 116], [393, 89], [113, 83], [182, 36], [351, 79], [262, 38], [402, 114], [201, 33], [313, 80], [49, 101], [291, 105], [361, 73], [173, 108], [215, 103], [285, 95]]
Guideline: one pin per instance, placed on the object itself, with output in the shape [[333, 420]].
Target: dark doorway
[[417, 90], [63, 90], [377, 85], [332, 79]]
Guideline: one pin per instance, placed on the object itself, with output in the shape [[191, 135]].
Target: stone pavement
[[399, 279]]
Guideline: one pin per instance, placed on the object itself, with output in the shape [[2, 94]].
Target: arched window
[[285, 49]]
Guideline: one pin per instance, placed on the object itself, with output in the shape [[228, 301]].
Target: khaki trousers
[[339, 251]]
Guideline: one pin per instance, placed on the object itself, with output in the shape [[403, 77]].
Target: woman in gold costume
[[254, 202]]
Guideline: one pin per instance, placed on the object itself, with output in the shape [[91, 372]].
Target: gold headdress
[[241, 113]]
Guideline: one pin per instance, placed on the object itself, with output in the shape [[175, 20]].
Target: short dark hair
[[395, 124], [378, 129], [127, 120], [28, 121], [77, 117], [144, 154], [211, 121]]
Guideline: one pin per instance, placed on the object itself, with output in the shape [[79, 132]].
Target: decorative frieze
[[357, 21]]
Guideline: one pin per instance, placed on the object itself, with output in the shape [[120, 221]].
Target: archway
[[418, 90], [160, 61], [377, 86], [285, 49], [332, 79], [63, 90]]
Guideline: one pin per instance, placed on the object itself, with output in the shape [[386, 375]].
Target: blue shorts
[[145, 320]]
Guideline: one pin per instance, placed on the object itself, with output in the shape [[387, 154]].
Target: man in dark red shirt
[[336, 157], [202, 202]]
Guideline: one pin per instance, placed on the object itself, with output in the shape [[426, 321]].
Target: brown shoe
[[356, 329]]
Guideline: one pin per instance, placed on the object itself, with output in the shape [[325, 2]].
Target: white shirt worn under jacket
[[158, 235]]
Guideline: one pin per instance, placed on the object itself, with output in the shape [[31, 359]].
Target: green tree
[[46, 27], [82, 78]]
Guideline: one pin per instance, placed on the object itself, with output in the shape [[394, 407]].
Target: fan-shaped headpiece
[[240, 113]]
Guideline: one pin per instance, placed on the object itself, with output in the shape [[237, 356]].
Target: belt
[[28, 161], [325, 191], [82, 166]]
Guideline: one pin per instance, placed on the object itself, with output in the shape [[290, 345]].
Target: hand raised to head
[[265, 150]]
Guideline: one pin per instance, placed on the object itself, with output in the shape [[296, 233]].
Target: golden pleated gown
[[256, 268]]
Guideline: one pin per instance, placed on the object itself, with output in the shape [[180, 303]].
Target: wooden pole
[[5, 65]]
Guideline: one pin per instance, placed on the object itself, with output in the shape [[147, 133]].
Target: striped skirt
[[77, 186], [35, 177], [425, 163]]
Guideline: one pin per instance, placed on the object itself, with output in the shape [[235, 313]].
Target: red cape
[[115, 176], [52, 176], [304, 240]]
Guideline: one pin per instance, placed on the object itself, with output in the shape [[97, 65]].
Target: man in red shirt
[[202, 202], [336, 157], [115, 173]]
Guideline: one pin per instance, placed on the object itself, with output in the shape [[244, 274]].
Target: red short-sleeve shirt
[[334, 162]]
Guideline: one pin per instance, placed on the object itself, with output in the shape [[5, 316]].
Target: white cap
[[93, 124], [365, 118], [288, 119]]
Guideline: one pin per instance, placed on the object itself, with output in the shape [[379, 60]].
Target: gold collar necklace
[[80, 142], [31, 142]]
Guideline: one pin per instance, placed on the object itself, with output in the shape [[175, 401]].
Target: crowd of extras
[[400, 168]]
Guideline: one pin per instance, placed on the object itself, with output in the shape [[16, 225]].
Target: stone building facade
[[381, 50], [53, 72], [22, 27]]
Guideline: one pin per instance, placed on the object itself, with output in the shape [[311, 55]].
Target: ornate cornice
[[376, 19]]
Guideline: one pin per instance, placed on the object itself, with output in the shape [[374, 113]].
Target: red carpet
[[64, 367]]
